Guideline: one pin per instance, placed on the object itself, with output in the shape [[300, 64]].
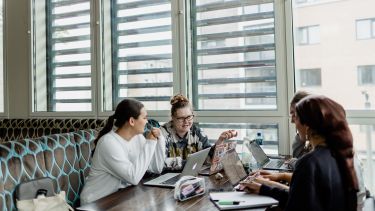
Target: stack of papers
[[240, 200]]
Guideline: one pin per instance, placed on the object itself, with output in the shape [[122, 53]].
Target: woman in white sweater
[[122, 154]]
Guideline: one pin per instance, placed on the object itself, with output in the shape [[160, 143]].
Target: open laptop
[[216, 161], [264, 161], [193, 165], [233, 168]]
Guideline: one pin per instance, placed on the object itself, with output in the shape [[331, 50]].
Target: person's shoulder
[[109, 141], [313, 157], [166, 128], [196, 130], [195, 126], [109, 137]]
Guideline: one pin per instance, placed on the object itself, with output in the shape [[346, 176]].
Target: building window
[[308, 35], [365, 29], [310, 77], [366, 75]]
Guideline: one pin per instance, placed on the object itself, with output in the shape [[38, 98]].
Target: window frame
[[360, 71], [372, 28], [308, 71], [308, 35], [36, 67], [4, 92]]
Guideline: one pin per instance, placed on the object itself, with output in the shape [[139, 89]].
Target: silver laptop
[[233, 168], [193, 165], [264, 161]]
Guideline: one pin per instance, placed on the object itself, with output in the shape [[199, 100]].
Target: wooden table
[[142, 197]]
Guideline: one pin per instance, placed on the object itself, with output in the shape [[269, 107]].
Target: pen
[[228, 202]]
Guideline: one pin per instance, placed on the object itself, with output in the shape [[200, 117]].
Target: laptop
[[264, 161], [236, 173], [193, 165], [216, 161], [233, 168]]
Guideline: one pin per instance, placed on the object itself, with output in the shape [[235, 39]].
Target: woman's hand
[[226, 135], [277, 177], [250, 186], [265, 181], [274, 176], [154, 133], [260, 172]]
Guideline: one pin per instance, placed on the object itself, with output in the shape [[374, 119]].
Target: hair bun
[[178, 98]]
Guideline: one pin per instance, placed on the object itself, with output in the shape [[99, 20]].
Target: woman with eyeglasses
[[182, 136]]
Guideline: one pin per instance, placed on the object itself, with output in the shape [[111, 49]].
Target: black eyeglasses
[[186, 118]]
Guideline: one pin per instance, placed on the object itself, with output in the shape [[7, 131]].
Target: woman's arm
[[277, 177], [279, 193], [117, 162], [157, 162]]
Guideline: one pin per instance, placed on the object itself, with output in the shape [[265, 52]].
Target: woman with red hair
[[324, 179]]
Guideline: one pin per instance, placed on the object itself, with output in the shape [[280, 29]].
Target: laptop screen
[[233, 167], [258, 153]]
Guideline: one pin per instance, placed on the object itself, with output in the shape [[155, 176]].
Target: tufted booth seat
[[63, 157], [16, 129]]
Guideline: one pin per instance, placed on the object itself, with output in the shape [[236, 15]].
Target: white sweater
[[118, 163]]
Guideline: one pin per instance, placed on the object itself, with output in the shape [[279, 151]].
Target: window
[[365, 29], [366, 75], [225, 77], [142, 53], [1, 59], [237, 74], [345, 78], [364, 148], [62, 75], [308, 35], [89, 55], [310, 77], [250, 130]]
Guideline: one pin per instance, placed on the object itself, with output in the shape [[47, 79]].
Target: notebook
[[243, 200], [264, 161], [216, 161], [193, 165]]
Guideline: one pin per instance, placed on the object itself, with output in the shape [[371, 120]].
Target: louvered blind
[[142, 52], [68, 55], [233, 54]]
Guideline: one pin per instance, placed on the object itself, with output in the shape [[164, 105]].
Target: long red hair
[[327, 118]]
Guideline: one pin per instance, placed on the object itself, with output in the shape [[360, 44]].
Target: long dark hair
[[126, 109], [327, 118]]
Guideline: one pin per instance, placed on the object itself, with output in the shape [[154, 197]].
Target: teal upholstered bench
[[16, 129], [63, 157]]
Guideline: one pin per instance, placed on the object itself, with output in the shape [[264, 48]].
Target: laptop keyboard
[[171, 181], [275, 164]]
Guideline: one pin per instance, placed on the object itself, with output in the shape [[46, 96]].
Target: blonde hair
[[179, 101]]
